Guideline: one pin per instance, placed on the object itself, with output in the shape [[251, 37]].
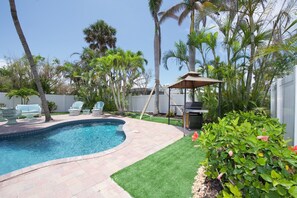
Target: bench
[[29, 110]]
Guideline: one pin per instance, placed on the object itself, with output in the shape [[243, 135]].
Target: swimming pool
[[60, 141]]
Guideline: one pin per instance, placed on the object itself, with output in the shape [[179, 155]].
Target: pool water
[[62, 142]]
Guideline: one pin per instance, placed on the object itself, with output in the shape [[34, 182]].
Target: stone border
[[127, 141]]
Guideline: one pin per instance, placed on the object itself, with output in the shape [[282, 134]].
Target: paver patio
[[87, 176]]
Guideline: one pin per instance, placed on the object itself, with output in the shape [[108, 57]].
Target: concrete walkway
[[87, 176]]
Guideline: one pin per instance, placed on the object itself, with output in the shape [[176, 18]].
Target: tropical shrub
[[52, 106], [23, 93], [247, 153]]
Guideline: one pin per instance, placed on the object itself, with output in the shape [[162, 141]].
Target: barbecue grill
[[194, 115]]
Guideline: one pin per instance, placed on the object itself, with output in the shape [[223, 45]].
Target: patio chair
[[98, 108], [75, 109]]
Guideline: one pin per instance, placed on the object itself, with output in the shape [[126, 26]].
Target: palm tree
[[179, 54], [189, 7], [121, 69], [30, 58], [23, 93], [100, 37], [154, 6]]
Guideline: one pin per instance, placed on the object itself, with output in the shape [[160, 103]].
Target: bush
[[250, 157], [52, 106], [170, 114]]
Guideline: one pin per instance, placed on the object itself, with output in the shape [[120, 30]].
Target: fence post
[[295, 110], [279, 100]]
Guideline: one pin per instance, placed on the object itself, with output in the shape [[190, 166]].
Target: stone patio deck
[[85, 176]]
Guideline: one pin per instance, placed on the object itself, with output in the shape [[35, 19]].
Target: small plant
[[52, 106], [170, 114], [247, 153]]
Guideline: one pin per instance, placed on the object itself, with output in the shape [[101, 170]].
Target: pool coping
[[22, 171]]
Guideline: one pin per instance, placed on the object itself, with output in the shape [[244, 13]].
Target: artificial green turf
[[167, 173], [173, 121], [59, 113]]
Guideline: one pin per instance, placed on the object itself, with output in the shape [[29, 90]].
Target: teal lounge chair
[[98, 109], [75, 109]]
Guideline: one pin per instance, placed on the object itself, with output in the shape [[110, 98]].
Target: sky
[[54, 29]]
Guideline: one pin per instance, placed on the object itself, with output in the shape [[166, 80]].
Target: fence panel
[[63, 102], [283, 104], [136, 103]]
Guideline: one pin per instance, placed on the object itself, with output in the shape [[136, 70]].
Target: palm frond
[[154, 6], [171, 12], [183, 15], [167, 55]]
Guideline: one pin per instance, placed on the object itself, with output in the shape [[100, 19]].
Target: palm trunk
[[30, 58], [157, 57], [192, 49], [251, 66]]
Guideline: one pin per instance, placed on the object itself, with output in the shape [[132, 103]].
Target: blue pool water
[[67, 141]]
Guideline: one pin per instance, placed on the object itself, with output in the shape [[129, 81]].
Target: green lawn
[[59, 113], [173, 121], [167, 173]]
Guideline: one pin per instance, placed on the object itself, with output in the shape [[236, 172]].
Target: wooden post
[[168, 107], [147, 102], [171, 99], [220, 98], [185, 98]]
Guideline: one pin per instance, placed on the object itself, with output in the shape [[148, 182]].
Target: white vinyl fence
[[283, 104], [63, 102], [136, 103]]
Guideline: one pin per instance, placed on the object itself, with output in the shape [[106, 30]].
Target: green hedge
[[250, 157]]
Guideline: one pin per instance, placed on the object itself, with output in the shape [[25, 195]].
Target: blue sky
[[53, 29]]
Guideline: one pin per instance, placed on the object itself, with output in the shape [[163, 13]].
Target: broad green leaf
[[256, 184], [293, 191], [295, 178], [237, 171], [252, 139], [250, 165], [266, 177], [226, 195], [223, 170], [275, 175], [292, 161], [285, 183], [236, 159], [261, 161], [281, 190], [272, 194], [234, 190], [275, 183]]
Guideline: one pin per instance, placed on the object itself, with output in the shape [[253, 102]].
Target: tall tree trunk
[[30, 58], [192, 49], [192, 57], [157, 59], [252, 54]]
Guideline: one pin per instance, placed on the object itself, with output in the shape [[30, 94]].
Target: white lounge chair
[[98, 108], [75, 109]]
